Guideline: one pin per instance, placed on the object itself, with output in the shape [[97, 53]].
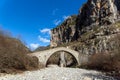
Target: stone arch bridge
[[43, 56]]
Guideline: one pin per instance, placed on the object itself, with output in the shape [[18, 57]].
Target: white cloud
[[44, 40], [54, 11], [56, 22], [34, 46], [65, 17], [45, 30]]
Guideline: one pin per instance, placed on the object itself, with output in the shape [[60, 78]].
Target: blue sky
[[31, 20]]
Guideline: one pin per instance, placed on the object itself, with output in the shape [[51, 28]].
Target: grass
[[106, 62], [13, 56]]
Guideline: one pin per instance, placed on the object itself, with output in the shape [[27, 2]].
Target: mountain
[[41, 48], [92, 29]]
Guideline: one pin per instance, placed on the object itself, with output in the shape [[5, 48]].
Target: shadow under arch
[[55, 57]]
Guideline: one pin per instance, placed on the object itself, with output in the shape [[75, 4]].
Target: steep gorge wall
[[98, 12], [90, 31], [64, 33]]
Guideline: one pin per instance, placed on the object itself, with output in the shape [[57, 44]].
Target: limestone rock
[[98, 12], [90, 31], [64, 33]]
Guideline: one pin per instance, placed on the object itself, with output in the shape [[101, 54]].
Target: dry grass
[[107, 62], [13, 56], [99, 61]]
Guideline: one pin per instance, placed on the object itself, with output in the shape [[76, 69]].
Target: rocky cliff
[[91, 30], [65, 32], [98, 12]]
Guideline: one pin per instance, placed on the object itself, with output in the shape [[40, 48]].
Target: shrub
[[99, 61], [13, 56], [107, 62]]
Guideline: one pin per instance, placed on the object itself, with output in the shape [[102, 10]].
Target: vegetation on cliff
[[108, 61]]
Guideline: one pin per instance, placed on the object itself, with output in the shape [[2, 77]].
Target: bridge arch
[[43, 56], [75, 54]]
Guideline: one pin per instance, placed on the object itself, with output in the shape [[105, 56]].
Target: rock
[[90, 31], [98, 12], [64, 33], [58, 73], [87, 78], [52, 66]]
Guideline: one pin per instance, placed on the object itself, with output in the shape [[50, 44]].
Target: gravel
[[57, 73]]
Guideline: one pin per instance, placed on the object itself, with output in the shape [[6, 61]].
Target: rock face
[[117, 3], [90, 31], [65, 32], [98, 12]]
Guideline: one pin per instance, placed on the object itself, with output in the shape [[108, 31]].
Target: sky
[[32, 20]]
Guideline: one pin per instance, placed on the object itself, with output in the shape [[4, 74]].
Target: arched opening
[[55, 59]]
